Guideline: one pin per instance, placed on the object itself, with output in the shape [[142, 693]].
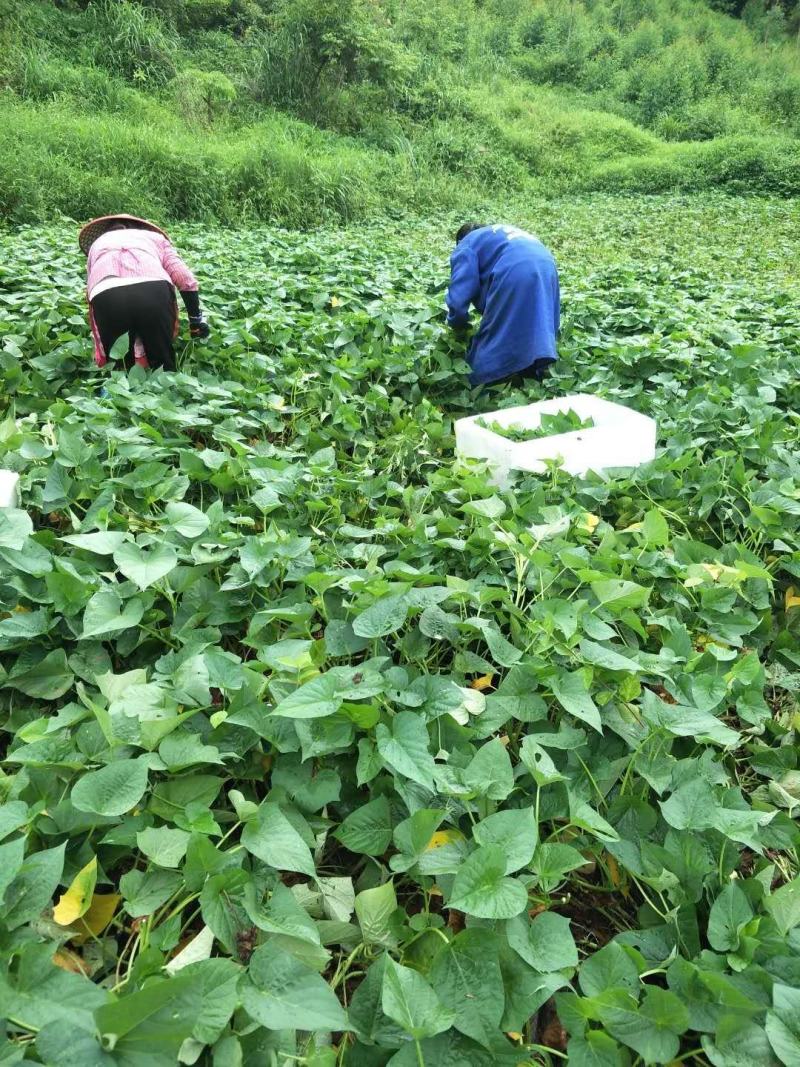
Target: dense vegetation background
[[303, 110]]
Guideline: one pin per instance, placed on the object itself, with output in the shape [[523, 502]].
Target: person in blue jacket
[[512, 280]]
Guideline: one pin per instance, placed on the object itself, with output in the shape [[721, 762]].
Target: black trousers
[[146, 310], [536, 371]]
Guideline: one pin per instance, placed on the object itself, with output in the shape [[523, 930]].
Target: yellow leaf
[[614, 874], [443, 837], [792, 599], [75, 902], [588, 523], [69, 961], [335, 302], [716, 570], [486, 681], [100, 913], [514, 1035]]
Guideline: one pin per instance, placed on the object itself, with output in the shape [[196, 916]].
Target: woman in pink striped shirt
[[132, 273]]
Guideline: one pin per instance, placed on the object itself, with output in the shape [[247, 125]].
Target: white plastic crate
[[9, 489], [619, 437]]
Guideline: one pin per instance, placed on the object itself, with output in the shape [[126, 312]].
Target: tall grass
[[55, 162]]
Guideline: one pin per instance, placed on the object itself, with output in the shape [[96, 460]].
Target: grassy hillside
[[307, 110]]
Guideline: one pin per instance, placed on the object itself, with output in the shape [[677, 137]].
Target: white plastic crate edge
[[9, 489], [620, 437]]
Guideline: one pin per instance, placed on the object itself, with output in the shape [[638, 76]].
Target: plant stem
[[547, 1051]]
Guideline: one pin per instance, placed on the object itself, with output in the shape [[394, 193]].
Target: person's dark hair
[[468, 227]]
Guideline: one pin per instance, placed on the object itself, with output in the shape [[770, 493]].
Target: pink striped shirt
[[141, 255]]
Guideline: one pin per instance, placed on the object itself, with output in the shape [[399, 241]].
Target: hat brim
[[97, 227]]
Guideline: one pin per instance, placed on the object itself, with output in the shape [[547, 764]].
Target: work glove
[[198, 327]]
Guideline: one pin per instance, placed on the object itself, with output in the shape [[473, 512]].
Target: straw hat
[[97, 227]]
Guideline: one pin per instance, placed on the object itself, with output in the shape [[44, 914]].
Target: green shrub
[[781, 96], [194, 15], [555, 141], [736, 164], [314, 45], [456, 149], [203, 96], [431, 27], [213, 14], [702, 121], [668, 84]]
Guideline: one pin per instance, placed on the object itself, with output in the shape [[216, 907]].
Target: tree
[[769, 19], [766, 18]]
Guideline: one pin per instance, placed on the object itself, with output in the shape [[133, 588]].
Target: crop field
[[318, 750]]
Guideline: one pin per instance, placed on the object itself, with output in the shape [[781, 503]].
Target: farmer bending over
[[511, 278], [132, 273]]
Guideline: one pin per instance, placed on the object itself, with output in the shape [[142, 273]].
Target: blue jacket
[[512, 280]]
